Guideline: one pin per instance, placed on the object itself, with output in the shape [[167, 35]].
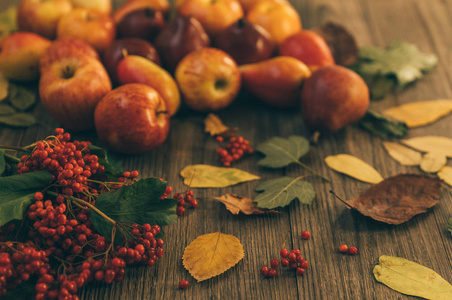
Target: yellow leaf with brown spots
[[236, 204], [211, 254], [214, 126]]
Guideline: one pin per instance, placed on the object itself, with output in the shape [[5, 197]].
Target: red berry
[[304, 264], [305, 235], [343, 248], [274, 263], [183, 284], [284, 262], [39, 196], [271, 273], [296, 251], [194, 203], [180, 210], [284, 252], [300, 271], [352, 250], [292, 257], [293, 264], [219, 139], [264, 271]]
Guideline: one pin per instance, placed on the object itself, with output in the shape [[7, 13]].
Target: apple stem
[[124, 52], [313, 171], [241, 23]]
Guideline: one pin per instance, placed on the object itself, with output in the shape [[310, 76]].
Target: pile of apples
[[125, 72]]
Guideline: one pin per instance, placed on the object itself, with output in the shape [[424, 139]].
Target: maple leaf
[[397, 199], [211, 254], [214, 126], [280, 152], [280, 192], [236, 204]]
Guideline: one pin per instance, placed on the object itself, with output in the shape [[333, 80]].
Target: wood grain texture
[[331, 275]]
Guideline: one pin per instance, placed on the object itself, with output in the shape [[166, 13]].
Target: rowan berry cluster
[[292, 259], [183, 199], [234, 150]]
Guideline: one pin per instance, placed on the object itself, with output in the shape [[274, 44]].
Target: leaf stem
[[13, 158], [334, 194], [15, 148], [83, 202], [313, 171]]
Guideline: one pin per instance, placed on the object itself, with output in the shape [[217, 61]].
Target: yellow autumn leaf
[[432, 162], [214, 126], [402, 154], [205, 176], [211, 254], [420, 113], [353, 167], [437, 144], [3, 87], [446, 175], [410, 278]]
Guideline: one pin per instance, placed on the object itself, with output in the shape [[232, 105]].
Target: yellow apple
[[104, 6]]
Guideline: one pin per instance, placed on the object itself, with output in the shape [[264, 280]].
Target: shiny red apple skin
[[41, 16], [88, 24], [70, 89], [129, 119], [309, 47], [20, 53], [332, 98], [66, 47], [144, 23], [209, 79], [181, 36], [128, 46], [246, 42]]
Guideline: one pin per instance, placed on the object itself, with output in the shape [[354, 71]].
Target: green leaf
[[2, 162], [281, 191], [402, 60], [6, 109], [138, 203], [380, 87], [8, 21], [280, 152], [21, 97], [26, 290], [410, 278], [449, 225], [17, 193], [383, 126], [112, 166], [18, 120]]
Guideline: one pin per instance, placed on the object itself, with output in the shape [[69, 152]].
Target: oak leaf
[[353, 167], [420, 113], [410, 278], [236, 204], [211, 254], [397, 199], [205, 176], [214, 126], [402, 154]]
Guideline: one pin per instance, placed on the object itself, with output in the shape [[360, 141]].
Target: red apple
[[144, 23], [132, 5], [309, 47], [332, 98], [66, 47], [130, 46], [132, 119], [20, 53], [209, 79], [41, 16], [70, 88], [137, 69], [90, 25], [246, 42], [183, 35], [104, 6]]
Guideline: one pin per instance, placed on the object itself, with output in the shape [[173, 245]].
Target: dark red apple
[[144, 23], [132, 119], [129, 46], [332, 98], [183, 35], [246, 42]]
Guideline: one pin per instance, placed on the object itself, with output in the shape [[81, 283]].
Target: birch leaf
[[402, 154], [280, 192], [410, 278], [280, 152], [445, 174], [433, 162], [236, 204], [211, 254], [205, 176], [438, 144], [399, 198], [353, 167], [420, 113]]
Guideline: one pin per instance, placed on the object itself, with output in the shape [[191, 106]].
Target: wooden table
[[331, 275]]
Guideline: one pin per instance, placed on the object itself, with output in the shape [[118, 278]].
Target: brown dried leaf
[[236, 204], [215, 126], [397, 199], [342, 44]]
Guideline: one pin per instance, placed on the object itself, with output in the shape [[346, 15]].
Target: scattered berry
[[271, 273], [343, 248], [305, 235], [183, 284], [264, 271], [352, 250]]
